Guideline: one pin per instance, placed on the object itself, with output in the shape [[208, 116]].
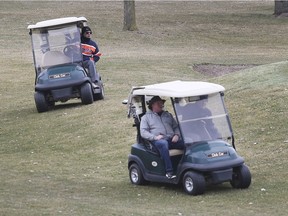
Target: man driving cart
[[90, 53]]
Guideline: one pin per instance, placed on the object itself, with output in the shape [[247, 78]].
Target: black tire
[[135, 175], [51, 104], [41, 102], [194, 183], [241, 177], [99, 96], [86, 94]]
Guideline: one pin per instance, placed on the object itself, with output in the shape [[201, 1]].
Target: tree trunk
[[129, 15], [280, 7]]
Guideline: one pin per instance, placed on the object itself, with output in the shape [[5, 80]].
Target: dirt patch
[[220, 69]]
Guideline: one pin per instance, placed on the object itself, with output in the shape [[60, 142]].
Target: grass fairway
[[73, 160]]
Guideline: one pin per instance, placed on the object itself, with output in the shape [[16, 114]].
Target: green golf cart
[[209, 156]]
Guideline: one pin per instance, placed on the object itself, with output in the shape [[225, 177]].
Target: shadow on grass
[[66, 106], [57, 107], [178, 188]]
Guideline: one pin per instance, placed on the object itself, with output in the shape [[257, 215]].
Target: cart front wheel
[[135, 174], [41, 102], [86, 94], [194, 183], [241, 178], [99, 96]]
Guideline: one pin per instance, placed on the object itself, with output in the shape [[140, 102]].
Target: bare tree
[[280, 7], [129, 16]]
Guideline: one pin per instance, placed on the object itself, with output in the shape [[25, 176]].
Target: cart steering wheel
[[71, 50]]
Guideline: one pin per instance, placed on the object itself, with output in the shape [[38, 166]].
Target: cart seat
[[149, 146], [52, 58], [175, 152]]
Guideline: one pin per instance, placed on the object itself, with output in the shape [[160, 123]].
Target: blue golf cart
[[59, 72]]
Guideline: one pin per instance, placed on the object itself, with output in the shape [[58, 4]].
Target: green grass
[[73, 160]]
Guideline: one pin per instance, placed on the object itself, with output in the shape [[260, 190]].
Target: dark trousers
[[92, 70]]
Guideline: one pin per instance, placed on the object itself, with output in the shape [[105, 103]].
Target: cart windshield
[[203, 118], [56, 46]]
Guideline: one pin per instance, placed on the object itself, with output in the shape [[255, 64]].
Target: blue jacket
[[89, 50]]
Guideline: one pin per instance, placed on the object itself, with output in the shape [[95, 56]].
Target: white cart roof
[[179, 89], [56, 22]]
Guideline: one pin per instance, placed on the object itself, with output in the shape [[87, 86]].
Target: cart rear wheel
[[241, 178], [86, 93], [194, 183], [41, 102], [135, 174]]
